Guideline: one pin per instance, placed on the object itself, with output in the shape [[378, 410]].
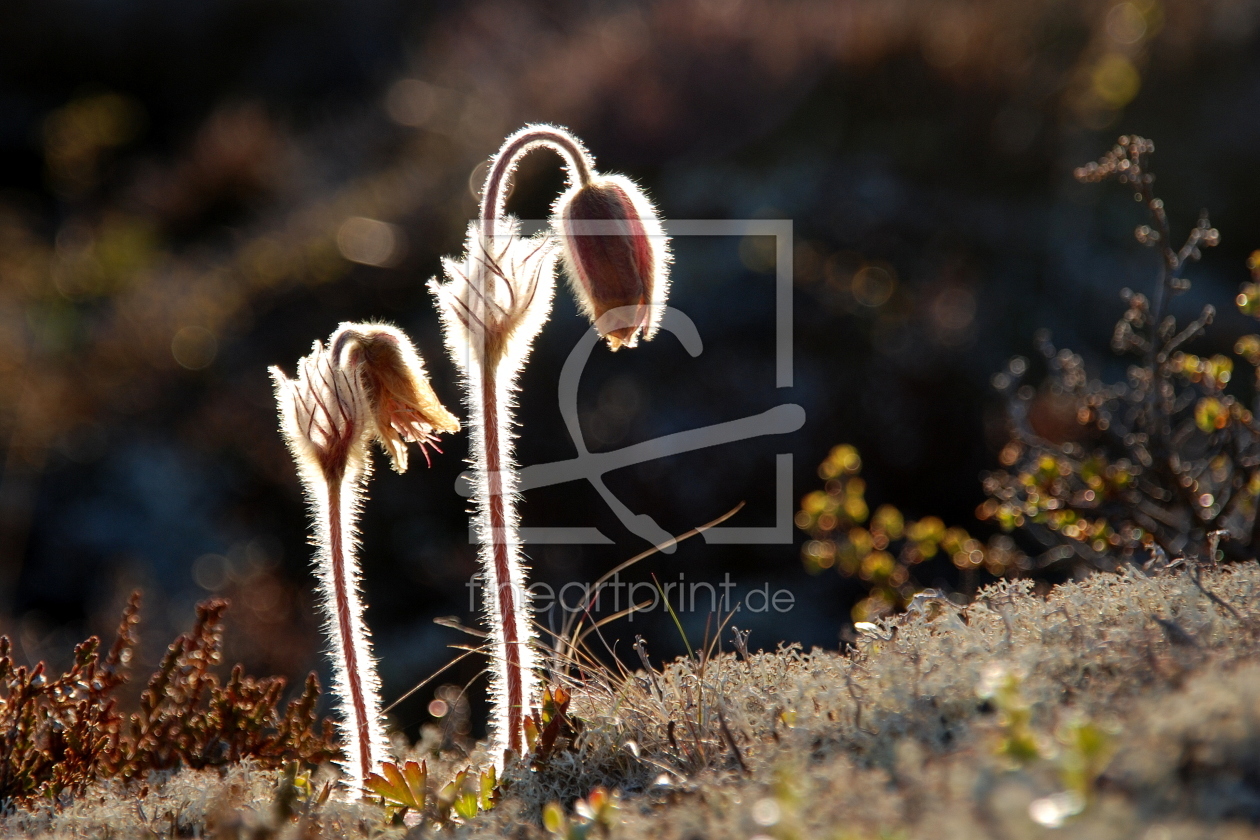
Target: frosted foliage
[[891, 739], [239, 801], [894, 736]]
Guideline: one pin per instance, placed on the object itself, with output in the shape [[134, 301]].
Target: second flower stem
[[502, 538]]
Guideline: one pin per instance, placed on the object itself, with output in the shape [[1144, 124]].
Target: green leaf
[[488, 792], [405, 787], [466, 805], [554, 820]]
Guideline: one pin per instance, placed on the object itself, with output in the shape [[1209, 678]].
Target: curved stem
[[494, 196], [500, 540]]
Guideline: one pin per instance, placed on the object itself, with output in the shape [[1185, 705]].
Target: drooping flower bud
[[617, 256]]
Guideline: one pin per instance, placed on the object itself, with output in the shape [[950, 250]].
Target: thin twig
[[726, 730]]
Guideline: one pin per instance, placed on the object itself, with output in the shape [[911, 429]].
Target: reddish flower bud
[[617, 257]]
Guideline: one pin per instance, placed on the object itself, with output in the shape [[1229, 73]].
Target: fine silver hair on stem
[[367, 383], [493, 303]]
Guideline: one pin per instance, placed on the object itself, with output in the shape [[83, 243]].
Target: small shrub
[[881, 549], [188, 717], [58, 735], [1167, 460]]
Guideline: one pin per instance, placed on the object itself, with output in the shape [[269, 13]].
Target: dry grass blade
[[467, 652], [571, 633]]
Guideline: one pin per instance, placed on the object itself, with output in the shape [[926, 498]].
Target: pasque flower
[[493, 303], [616, 255], [367, 384]]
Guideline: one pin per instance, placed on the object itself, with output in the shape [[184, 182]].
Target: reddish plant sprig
[[368, 383], [493, 303]]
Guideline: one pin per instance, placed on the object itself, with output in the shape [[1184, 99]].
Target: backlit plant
[[594, 816], [1167, 459], [368, 383], [405, 790], [494, 301], [59, 734], [882, 548]]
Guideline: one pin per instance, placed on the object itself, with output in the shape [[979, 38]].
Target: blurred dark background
[[190, 192]]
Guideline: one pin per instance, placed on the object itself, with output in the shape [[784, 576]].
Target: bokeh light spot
[[1126, 24], [1116, 80], [873, 285], [766, 812], [411, 102], [211, 572], [369, 241], [194, 348], [477, 179], [952, 312], [757, 253]]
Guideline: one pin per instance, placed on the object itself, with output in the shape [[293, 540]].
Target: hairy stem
[[500, 515], [494, 196], [500, 539], [358, 726], [507, 605]]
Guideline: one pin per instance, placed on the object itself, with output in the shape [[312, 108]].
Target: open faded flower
[[323, 414], [368, 383], [617, 256], [493, 304], [403, 406]]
